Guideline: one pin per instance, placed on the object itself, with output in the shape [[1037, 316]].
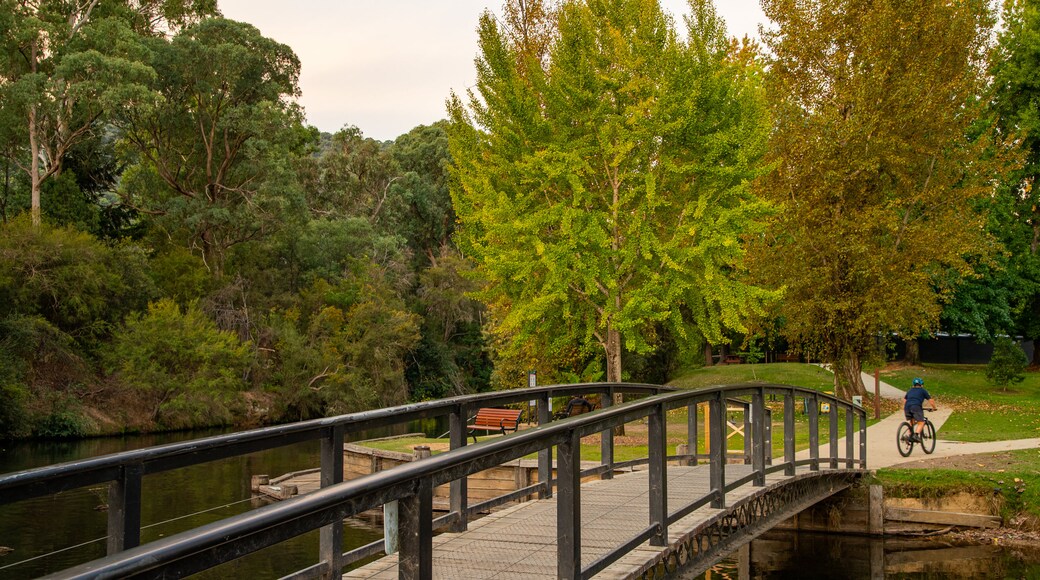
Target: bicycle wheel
[[903, 440], [928, 437]]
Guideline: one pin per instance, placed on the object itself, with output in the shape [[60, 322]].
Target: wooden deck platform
[[520, 541]]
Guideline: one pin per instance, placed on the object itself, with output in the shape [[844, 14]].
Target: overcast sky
[[387, 66]]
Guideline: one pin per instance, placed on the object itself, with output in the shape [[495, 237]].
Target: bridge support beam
[[850, 449], [834, 436], [331, 536], [544, 455], [814, 432], [658, 455], [459, 488], [606, 438], [717, 441], [568, 509], [416, 534], [789, 434], [124, 509], [758, 436], [691, 431]]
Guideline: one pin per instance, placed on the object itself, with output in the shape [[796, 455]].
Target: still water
[[40, 532], [782, 555], [52, 533]]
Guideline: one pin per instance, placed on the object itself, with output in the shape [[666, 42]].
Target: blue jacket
[[916, 397]]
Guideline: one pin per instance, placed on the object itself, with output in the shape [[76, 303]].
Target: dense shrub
[[187, 368], [1008, 363], [78, 284]]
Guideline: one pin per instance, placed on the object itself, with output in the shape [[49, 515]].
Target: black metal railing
[[412, 484]]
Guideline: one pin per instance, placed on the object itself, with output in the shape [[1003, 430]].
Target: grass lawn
[[796, 374], [633, 444], [982, 412]]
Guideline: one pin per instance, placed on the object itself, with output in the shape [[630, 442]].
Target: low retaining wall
[[865, 510]]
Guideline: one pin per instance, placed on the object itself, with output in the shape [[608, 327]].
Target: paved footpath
[[881, 436]]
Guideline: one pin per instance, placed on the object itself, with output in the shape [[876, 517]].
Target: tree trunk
[[913, 352], [613, 349], [211, 255], [34, 169], [1036, 352], [709, 360], [848, 377]]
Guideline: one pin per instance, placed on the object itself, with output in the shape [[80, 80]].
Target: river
[[40, 531]]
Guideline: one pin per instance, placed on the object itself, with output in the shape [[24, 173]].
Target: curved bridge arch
[[412, 484]]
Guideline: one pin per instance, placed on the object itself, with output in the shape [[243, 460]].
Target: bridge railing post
[[789, 433], [691, 431], [834, 435], [459, 488], [769, 435], [544, 455], [124, 509], [850, 450], [758, 437], [415, 533], [606, 437], [748, 436], [814, 431], [863, 440], [717, 453], [568, 509], [330, 543], [658, 455]]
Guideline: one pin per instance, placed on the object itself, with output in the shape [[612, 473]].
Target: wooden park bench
[[490, 419]]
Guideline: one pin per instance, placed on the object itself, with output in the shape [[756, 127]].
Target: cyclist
[[914, 407]]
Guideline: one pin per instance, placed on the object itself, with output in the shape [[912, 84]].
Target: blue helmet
[[918, 382]]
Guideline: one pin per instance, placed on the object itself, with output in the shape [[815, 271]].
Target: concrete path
[[881, 436]]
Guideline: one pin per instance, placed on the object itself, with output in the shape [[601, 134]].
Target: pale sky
[[387, 66]]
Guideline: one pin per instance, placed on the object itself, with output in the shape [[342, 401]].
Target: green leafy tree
[[1007, 365], [876, 173], [66, 65], [342, 349], [79, 285], [212, 145], [604, 188], [1015, 106], [180, 362]]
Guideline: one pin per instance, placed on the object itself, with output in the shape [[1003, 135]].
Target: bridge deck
[[520, 541]]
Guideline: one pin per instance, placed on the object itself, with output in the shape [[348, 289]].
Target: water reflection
[[48, 534], [794, 555]]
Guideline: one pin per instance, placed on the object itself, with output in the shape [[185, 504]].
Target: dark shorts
[[915, 412]]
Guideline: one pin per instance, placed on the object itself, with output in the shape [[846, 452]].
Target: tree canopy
[[880, 168], [606, 189]]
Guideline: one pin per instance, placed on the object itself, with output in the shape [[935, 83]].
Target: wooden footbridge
[[683, 511]]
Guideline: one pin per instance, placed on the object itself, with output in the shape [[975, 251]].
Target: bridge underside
[[520, 541]]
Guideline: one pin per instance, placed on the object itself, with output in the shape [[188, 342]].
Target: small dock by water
[[360, 460]]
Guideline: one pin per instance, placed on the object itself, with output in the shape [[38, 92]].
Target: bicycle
[[906, 445]]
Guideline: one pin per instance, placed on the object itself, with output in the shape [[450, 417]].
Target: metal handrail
[[52, 479], [412, 485]]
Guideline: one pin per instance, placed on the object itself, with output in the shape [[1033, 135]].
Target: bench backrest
[[490, 417]]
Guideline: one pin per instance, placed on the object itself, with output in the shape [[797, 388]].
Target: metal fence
[[412, 484]]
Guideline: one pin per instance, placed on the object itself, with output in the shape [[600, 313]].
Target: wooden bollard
[[257, 481], [683, 449], [288, 491], [421, 452]]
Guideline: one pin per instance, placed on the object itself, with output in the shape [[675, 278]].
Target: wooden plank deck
[[520, 541]]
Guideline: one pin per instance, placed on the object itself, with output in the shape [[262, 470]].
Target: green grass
[[796, 374], [982, 412], [633, 446], [1016, 486]]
